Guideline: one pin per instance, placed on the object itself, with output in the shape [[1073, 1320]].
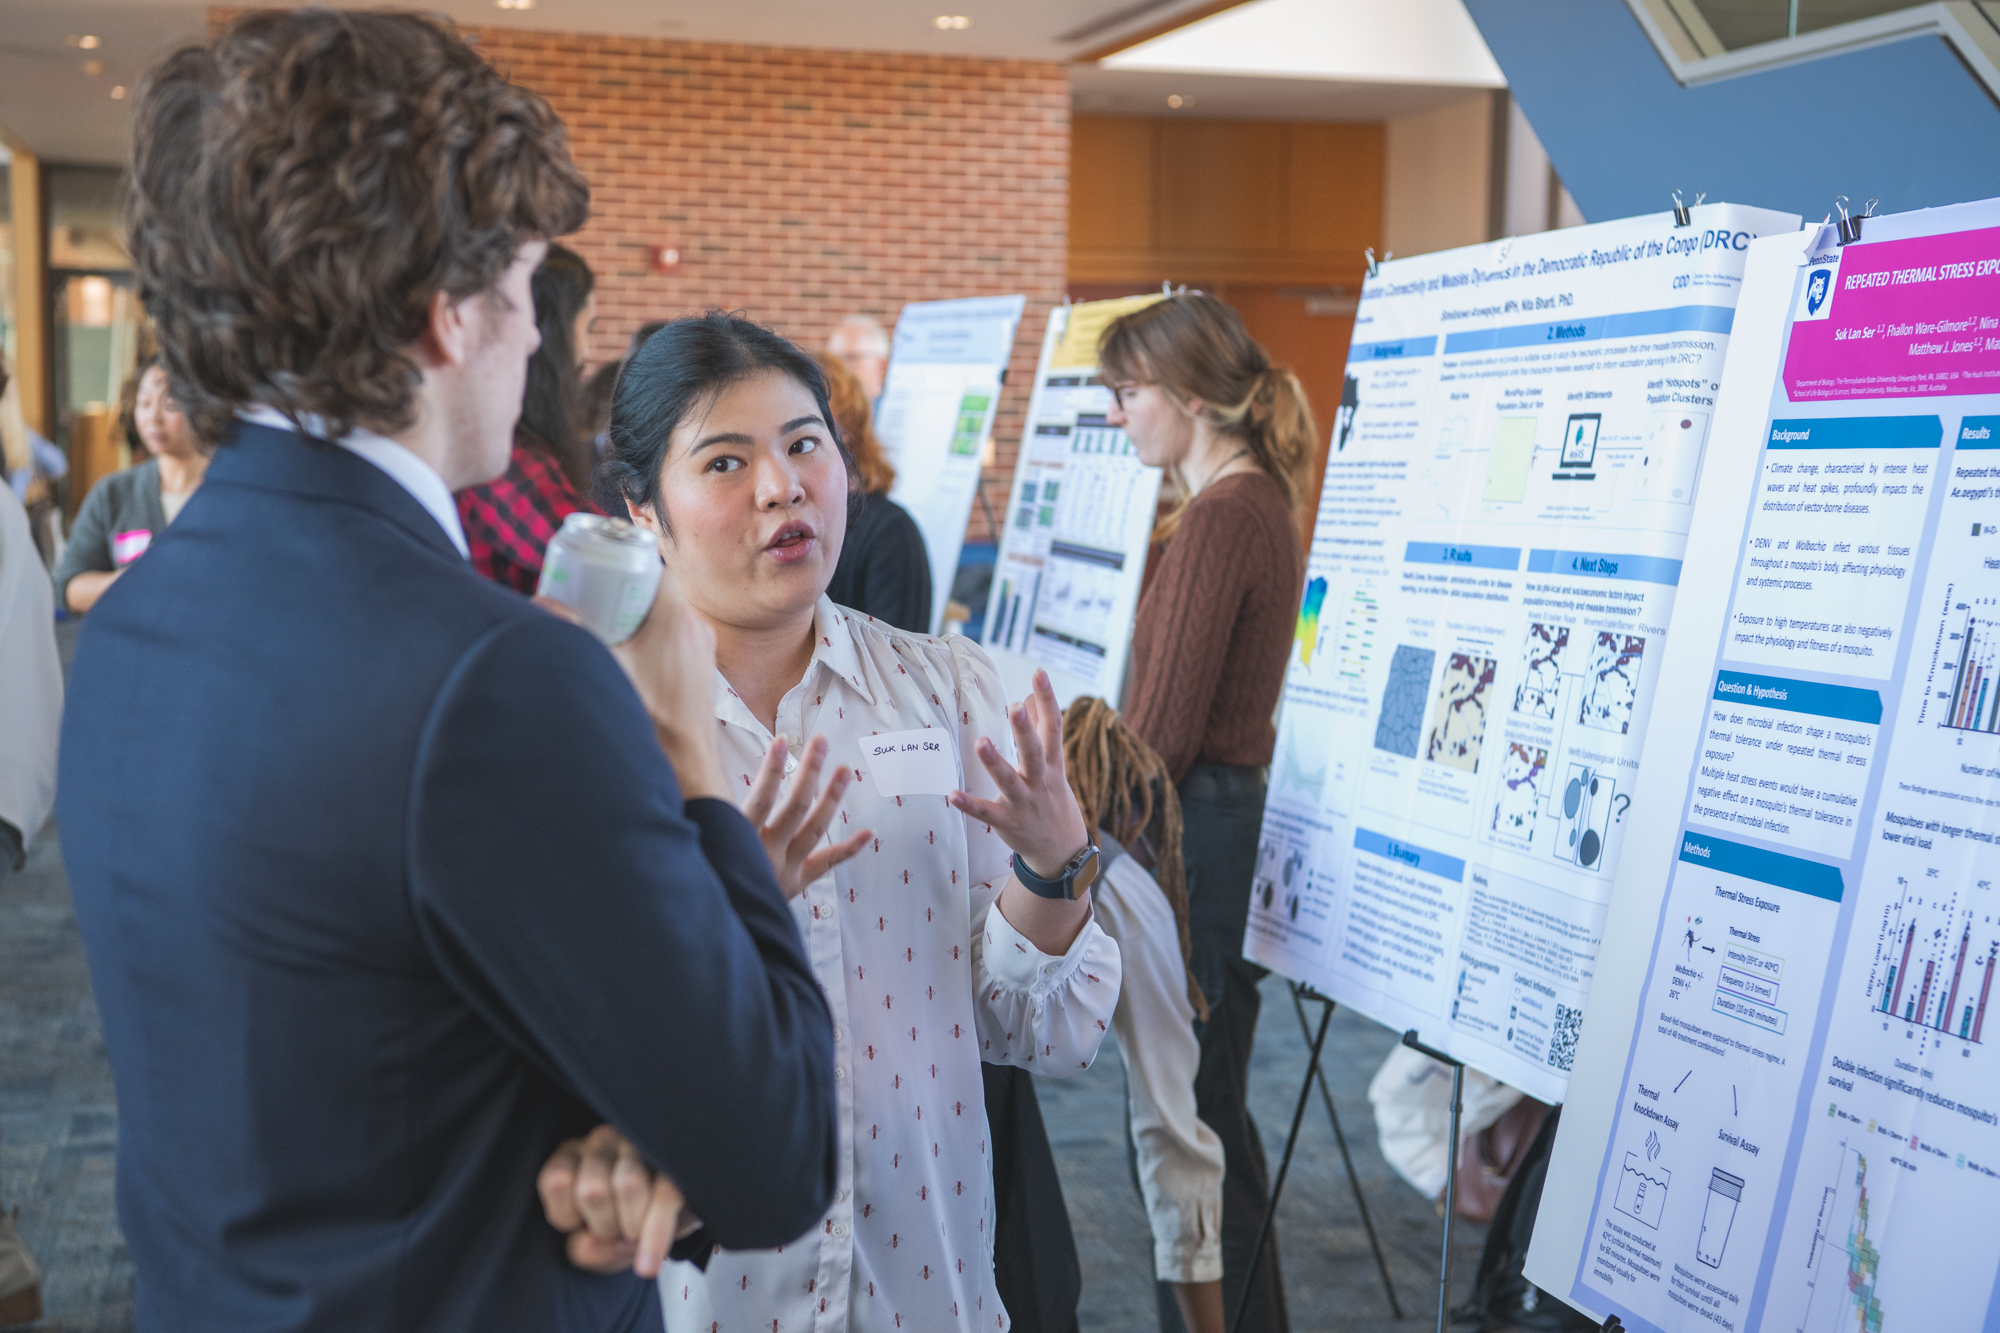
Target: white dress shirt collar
[[407, 470], [834, 647]]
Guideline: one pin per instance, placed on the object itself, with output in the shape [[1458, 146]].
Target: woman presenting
[[959, 931], [1198, 397], [125, 513]]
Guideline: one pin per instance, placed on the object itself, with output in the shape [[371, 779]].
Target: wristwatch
[[1074, 881]]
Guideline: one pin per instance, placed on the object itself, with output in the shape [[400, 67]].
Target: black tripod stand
[[1314, 1073]]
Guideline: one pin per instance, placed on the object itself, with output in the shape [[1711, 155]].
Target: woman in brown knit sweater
[[1201, 399]]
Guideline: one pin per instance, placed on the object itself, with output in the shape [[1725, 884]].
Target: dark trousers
[[1034, 1252], [1222, 815]]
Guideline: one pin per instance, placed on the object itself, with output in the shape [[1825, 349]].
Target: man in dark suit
[[387, 883]]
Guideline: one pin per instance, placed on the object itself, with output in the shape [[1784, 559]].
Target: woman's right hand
[[792, 831]]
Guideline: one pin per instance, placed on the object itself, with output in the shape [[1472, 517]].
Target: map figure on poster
[[1540, 692], [1520, 800], [1458, 724], [1401, 720], [1611, 682]]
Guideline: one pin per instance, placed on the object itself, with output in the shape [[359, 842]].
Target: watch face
[[1085, 876]]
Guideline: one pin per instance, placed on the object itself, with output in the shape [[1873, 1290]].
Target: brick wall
[[800, 185]]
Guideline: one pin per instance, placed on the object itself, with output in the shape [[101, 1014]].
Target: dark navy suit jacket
[[387, 888]]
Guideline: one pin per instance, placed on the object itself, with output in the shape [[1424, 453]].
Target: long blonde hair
[[1123, 786], [1195, 347]]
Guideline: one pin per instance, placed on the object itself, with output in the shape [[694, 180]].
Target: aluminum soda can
[[606, 570]]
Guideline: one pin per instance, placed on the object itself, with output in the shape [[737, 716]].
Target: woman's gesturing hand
[[1036, 813], [792, 831], [617, 1212]]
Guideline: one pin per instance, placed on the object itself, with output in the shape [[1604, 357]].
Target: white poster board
[[1795, 1120], [1079, 522], [1492, 576], [947, 362]]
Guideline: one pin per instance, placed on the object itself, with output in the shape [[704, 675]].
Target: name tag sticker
[[129, 546], [911, 763]]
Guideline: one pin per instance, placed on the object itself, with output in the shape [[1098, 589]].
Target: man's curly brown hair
[[302, 187]]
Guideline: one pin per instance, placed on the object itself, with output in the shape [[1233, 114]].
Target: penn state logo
[[1816, 302]]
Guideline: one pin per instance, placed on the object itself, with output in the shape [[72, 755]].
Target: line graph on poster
[[1845, 1259]]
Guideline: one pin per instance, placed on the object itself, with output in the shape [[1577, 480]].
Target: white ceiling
[[49, 102], [1362, 41], [1418, 51]]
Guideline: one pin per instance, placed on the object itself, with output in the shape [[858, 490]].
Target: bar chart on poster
[[947, 362], [1794, 988], [1078, 524], [1493, 570]]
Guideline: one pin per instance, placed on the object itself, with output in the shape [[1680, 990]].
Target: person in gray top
[[127, 511]]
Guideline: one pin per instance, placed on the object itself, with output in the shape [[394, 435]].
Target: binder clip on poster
[[1850, 227], [1375, 268], [1684, 213]]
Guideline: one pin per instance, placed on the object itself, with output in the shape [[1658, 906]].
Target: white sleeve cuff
[[1039, 1011]]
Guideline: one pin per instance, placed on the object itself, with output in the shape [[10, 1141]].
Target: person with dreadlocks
[[1234, 432], [1126, 793]]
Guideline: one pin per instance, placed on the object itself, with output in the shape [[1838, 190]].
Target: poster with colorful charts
[[1788, 1037], [1078, 524], [947, 362], [1491, 579]]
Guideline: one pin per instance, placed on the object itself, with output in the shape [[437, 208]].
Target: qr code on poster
[[1562, 1046]]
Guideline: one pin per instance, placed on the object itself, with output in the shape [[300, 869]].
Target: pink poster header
[[1899, 319]]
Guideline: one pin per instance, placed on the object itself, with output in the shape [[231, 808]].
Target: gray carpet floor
[[58, 1122]]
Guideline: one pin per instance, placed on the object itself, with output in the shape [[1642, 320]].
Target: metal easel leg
[[1354, 1182], [1450, 1170], [1278, 1184]]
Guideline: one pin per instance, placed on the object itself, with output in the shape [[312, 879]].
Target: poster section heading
[[947, 363], [1491, 577], [1079, 519], [1810, 1110]]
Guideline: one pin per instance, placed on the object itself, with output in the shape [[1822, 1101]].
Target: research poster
[[1492, 574], [1798, 1122], [947, 362], [1078, 524]]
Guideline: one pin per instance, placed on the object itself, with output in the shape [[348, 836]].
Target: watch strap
[[1062, 887]]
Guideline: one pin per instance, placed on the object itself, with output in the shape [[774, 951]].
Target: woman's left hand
[[1035, 813]]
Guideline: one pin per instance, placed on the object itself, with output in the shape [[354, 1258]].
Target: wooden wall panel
[[1335, 175], [1222, 185], [1111, 182], [1225, 201]]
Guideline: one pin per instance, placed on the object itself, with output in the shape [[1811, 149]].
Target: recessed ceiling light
[[85, 42], [118, 93], [952, 22], [514, 4], [93, 67], [1177, 101]]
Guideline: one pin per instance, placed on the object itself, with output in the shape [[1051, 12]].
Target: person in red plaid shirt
[[508, 523]]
